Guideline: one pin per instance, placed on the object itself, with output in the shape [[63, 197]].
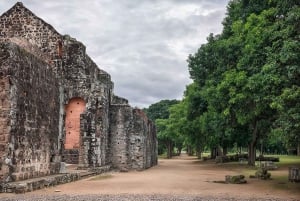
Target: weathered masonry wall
[[4, 115], [132, 138], [31, 147], [120, 116], [143, 128], [83, 79], [42, 73], [21, 26]]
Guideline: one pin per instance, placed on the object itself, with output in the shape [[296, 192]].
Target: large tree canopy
[[251, 71], [246, 82], [159, 113]]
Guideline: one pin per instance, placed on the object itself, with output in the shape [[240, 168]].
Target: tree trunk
[[219, 151], [199, 152], [225, 151], [179, 151], [251, 154], [239, 150], [298, 149], [261, 148], [252, 147], [189, 150], [169, 149], [213, 153]]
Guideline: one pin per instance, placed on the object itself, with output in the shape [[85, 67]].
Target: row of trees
[[246, 84]]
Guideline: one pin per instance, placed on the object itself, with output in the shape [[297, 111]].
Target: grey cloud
[[142, 44]]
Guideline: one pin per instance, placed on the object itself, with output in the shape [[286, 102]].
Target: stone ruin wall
[[68, 72], [32, 129], [132, 139], [21, 26], [143, 126], [79, 77], [82, 78], [4, 112]]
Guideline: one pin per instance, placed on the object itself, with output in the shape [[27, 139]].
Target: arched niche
[[73, 109]]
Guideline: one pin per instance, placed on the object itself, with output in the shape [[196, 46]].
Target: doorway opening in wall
[[75, 107]]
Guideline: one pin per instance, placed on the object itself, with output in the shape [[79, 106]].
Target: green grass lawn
[[280, 176], [162, 156], [285, 160]]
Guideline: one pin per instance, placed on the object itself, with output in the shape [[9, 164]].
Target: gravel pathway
[[128, 197]]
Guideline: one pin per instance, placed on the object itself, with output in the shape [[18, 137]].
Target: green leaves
[[248, 77], [246, 81], [160, 110]]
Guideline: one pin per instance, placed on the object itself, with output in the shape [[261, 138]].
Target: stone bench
[[268, 165], [267, 158]]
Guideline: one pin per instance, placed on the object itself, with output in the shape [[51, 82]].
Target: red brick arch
[[73, 109]]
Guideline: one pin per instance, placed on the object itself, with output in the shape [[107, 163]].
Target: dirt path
[[180, 176]]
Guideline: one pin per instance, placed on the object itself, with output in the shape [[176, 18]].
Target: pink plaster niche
[[75, 107]]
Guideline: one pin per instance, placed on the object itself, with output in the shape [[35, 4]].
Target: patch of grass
[[281, 182], [285, 160], [249, 171], [162, 156], [279, 177], [237, 165], [205, 154], [101, 177]]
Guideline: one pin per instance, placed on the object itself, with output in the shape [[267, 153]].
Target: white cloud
[[142, 44]]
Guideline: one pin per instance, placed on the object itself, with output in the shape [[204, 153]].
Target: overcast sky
[[142, 44]]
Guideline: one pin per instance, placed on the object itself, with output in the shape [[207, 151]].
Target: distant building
[[58, 106]]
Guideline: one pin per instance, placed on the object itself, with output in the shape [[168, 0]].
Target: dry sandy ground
[[179, 176]]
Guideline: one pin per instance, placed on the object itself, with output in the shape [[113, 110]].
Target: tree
[[164, 135], [160, 110], [249, 75], [286, 63], [159, 113]]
